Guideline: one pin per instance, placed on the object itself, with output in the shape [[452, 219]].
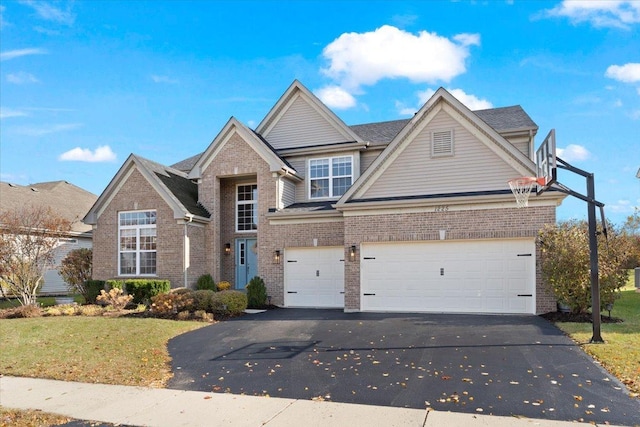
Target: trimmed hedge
[[93, 288], [206, 282], [202, 299], [229, 302], [142, 290]]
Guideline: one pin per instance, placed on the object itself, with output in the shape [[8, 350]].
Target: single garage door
[[486, 276], [314, 277]]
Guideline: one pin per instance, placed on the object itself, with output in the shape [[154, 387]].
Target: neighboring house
[[404, 215], [66, 200]]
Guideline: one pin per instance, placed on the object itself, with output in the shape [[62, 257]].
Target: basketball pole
[[593, 241]]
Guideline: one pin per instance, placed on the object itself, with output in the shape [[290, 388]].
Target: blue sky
[[85, 83]]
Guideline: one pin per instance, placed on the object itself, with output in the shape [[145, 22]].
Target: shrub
[[223, 286], [75, 270], [143, 290], [206, 282], [229, 302], [565, 264], [203, 315], [181, 291], [92, 290], [184, 315], [171, 303], [91, 310], [24, 311], [202, 299], [115, 298], [256, 293]]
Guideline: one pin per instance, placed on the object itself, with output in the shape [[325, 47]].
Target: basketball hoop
[[521, 188]]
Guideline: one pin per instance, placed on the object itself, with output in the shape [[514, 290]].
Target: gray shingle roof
[[187, 164], [69, 201], [185, 190], [507, 118], [381, 132], [500, 119]]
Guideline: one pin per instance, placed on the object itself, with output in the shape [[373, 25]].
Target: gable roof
[[187, 164], [285, 101], [69, 201], [465, 116], [255, 141], [175, 188], [507, 118]]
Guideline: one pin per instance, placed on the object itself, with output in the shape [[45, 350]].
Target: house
[[403, 215], [67, 200]]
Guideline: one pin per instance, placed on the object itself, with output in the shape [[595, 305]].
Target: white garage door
[[487, 276], [314, 277]]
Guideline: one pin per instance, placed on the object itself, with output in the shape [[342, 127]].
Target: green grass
[[43, 301], [620, 354], [127, 351]]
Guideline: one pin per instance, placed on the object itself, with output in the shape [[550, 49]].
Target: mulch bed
[[558, 316]]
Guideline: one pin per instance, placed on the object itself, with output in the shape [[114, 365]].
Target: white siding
[[473, 166], [367, 157], [53, 282], [288, 189], [301, 126], [521, 143]]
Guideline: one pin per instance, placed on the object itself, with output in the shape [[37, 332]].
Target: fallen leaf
[[207, 397], [578, 398]]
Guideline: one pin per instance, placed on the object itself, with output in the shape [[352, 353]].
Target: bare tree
[[28, 238]]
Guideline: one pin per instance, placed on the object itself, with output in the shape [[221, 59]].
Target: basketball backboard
[[546, 162]]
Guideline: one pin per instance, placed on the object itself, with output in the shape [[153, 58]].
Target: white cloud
[[163, 79], [357, 59], [5, 113], [48, 130], [101, 154], [336, 97], [3, 23], [620, 206], [573, 153], [49, 12], [22, 78], [10, 54], [471, 101], [599, 13], [635, 114], [627, 73]]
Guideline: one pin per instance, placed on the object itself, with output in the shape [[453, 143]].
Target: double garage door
[[487, 276]]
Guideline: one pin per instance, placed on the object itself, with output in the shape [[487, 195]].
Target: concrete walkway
[[140, 406]]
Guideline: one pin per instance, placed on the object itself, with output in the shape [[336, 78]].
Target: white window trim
[[330, 177], [137, 251], [245, 202], [449, 153]]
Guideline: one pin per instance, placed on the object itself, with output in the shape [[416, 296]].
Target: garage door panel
[[314, 277], [451, 276]]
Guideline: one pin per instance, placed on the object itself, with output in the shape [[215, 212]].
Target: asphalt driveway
[[501, 365]]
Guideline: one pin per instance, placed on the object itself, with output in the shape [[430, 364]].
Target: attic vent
[[442, 143]]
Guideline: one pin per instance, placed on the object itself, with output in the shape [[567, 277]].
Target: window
[[137, 243], [442, 143], [247, 207], [330, 177]]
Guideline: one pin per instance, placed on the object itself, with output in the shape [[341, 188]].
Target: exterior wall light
[[227, 248], [352, 252], [276, 256]]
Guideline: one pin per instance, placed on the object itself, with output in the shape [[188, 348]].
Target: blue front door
[[246, 261]]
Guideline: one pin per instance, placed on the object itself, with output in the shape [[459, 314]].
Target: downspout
[[185, 247]]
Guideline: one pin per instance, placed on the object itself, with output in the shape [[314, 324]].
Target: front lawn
[[620, 354], [127, 351]]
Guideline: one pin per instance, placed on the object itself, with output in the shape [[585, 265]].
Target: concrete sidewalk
[[140, 406]]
